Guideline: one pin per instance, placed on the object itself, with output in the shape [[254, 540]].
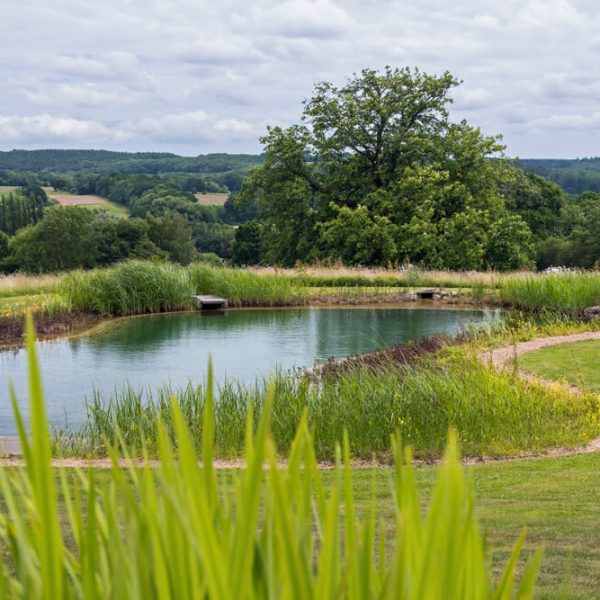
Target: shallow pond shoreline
[[68, 324]]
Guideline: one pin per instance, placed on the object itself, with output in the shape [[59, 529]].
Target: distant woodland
[[375, 173]]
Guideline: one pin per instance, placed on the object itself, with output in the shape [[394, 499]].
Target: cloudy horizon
[[193, 77]]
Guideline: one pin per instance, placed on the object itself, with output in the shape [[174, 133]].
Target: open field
[[89, 201], [577, 363], [212, 199]]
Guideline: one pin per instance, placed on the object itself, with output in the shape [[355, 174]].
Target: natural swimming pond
[[151, 351]]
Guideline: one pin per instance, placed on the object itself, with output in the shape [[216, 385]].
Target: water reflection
[[161, 349]]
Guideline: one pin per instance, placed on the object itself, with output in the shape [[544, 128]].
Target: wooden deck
[[208, 302]]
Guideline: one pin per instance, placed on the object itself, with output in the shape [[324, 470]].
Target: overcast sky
[[196, 76]]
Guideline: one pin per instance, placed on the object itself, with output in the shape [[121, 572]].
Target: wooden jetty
[[210, 302]]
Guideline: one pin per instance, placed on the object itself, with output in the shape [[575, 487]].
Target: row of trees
[[105, 161], [72, 237], [21, 208]]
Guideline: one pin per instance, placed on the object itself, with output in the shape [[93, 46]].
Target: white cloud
[[300, 18], [233, 125], [200, 76], [39, 128]]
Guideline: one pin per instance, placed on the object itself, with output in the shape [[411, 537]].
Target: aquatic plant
[[129, 288], [558, 292], [245, 287], [493, 413]]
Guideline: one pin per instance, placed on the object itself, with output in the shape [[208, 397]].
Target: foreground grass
[[556, 499], [577, 363]]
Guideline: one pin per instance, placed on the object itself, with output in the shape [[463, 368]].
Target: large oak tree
[[377, 172]]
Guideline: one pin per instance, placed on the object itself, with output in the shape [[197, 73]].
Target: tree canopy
[[376, 172]]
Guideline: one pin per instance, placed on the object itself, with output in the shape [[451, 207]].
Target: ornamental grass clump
[[568, 293], [267, 530], [246, 288], [129, 288]]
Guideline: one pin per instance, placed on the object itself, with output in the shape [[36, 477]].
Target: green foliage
[[119, 239], [575, 176], [537, 200], [492, 413], [181, 531], [18, 211], [246, 245], [3, 246], [209, 258], [359, 237], [378, 173], [563, 292], [172, 234], [509, 244], [62, 240], [213, 237], [104, 161]]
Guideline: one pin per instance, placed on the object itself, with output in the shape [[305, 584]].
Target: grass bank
[[494, 414], [567, 293], [576, 363]]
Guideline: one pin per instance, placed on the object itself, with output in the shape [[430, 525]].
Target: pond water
[[151, 351]]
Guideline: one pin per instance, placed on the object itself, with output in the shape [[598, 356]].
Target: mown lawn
[[578, 363], [556, 499]]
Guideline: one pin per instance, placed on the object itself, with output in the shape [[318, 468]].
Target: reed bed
[[137, 287], [181, 531], [129, 288], [247, 288], [493, 413], [560, 292]]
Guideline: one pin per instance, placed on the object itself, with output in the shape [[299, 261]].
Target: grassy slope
[[576, 363], [103, 203]]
